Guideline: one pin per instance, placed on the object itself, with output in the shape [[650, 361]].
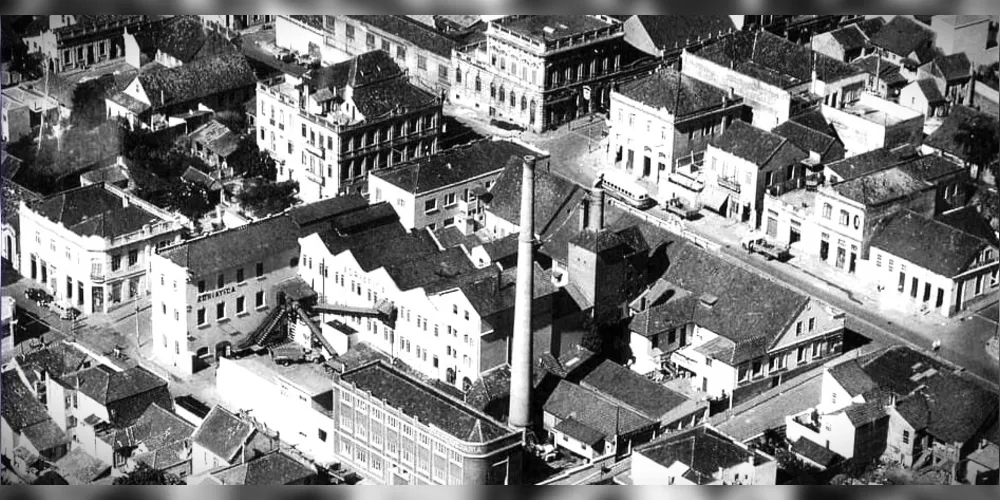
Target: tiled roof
[[199, 178], [902, 36], [56, 361], [418, 34], [107, 386], [93, 211], [197, 79], [852, 378], [850, 37], [270, 469], [679, 94], [815, 120], [950, 408], [167, 456], [871, 26], [651, 399], [503, 247], [256, 240], [871, 161], [941, 249], [551, 26], [900, 370], [492, 388], [774, 60], [426, 404], [589, 408], [489, 297], [382, 244], [944, 137], [186, 39], [11, 194], [79, 468], [930, 91], [931, 168], [887, 71], [376, 100], [674, 31], [751, 311], [553, 194], [881, 187], [222, 433], [45, 435], [865, 413], [814, 452], [969, 219], [453, 166], [702, 449], [319, 211], [155, 429], [314, 21], [20, 409], [424, 271], [217, 138], [579, 431], [758, 146], [953, 67], [364, 69], [828, 147]]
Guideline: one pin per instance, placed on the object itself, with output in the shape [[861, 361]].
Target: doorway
[[852, 265]]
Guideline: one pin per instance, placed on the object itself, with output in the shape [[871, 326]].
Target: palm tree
[[979, 140]]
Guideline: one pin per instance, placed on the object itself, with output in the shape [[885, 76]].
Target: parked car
[[757, 243], [38, 295], [64, 308], [293, 353]]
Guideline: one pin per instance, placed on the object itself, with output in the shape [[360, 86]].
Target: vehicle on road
[[38, 296], [619, 185], [682, 208], [292, 353], [758, 243]]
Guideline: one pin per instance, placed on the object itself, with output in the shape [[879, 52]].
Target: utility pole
[[138, 344]]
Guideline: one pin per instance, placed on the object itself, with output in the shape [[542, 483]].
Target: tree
[[30, 66], [144, 475], [267, 198], [979, 140], [250, 162], [235, 121], [89, 109], [794, 467]]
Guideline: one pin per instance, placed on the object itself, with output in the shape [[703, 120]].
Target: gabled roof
[[901, 370], [952, 67], [156, 428], [969, 220], [757, 146], [852, 378], [501, 248], [106, 386], [886, 71], [751, 311], [774, 60], [428, 405], [871, 26], [553, 195], [930, 91], [376, 100], [700, 448], [491, 292], [950, 408], [198, 178], [453, 166], [257, 239], [861, 414], [669, 89], [810, 140], [650, 399], [272, 468], [850, 37], [417, 33], [185, 38], [197, 79], [222, 433], [217, 138], [364, 69], [944, 137], [871, 161], [941, 249], [673, 31], [589, 408], [20, 409], [579, 431], [882, 186], [902, 36], [94, 211], [814, 452]]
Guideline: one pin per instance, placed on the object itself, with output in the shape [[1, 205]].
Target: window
[[890, 265], [800, 355], [322, 435], [812, 324], [430, 205], [201, 316], [259, 299], [798, 328], [349, 30], [220, 310], [757, 369], [239, 275], [401, 52], [878, 260], [422, 62], [902, 281], [906, 437], [844, 218], [827, 210], [260, 269], [241, 305], [450, 199], [370, 40], [220, 281], [116, 262], [914, 286], [708, 361], [435, 361]]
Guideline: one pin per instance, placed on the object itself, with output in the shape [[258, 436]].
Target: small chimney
[[125, 202], [584, 212], [708, 300], [596, 222]]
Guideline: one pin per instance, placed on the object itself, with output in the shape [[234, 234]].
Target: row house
[[945, 270], [540, 72], [334, 125], [79, 42], [444, 189], [658, 119], [701, 456], [775, 77], [91, 246], [207, 299], [731, 332]]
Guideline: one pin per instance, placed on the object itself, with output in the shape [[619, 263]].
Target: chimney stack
[[597, 206], [584, 212], [520, 363]]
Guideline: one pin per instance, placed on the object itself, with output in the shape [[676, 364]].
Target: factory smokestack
[[520, 362], [597, 206]]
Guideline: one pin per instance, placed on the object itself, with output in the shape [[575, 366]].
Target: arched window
[[524, 103], [458, 75], [513, 100], [466, 384], [503, 95], [451, 376], [479, 84], [493, 91]]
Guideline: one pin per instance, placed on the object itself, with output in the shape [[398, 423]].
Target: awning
[[714, 198]]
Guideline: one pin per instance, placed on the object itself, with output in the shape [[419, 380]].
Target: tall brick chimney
[[520, 362]]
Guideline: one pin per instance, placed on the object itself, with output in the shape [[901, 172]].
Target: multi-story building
[[78, 42], [540, 72], [733, 332], [872, 123], [443, 190], [12, 195], [24, 109], [954, 77], [657, 119], [667, 36], [394, 429], [334, 125], [775, 77], [91, 246], [969, 34], [28, 432], [237, 22], [848, 43], [207, 299], [224, 439], [701, 456], [906, 42]]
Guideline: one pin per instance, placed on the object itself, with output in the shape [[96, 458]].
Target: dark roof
[[491, 387], [197, 79], [930, 91], [702, 449], [815, 120], [20, 409], [222, 433], [376, 100], [942, 249], [871, 161], [969, 219], [217, 138], [565, 228], [649, 398], [503, 247], [451, 236], [93, 211], [488, 296], [553, 195], [882, 186], [814, 452], [199, 178], [580, 432], [900, 370], [950, 408], [673, 31], [419, 34], [364, 69], [106, 386], [944, 137], [679, 94], [758, 146], [314, 21], [425, 271], [807, 139], [551, 26], [272, 468], [186, 39], [319, 211], [12, 194], [931, 168], [57, 361], [953, 67], [453, 166], [871, 26], [156, 428], [774, 60], [381, 244], [902, 36], [850, 37], [852, 378], [751, 311], [887, 71], [865, 413], [257, 239], [588, 407], [426, 404]]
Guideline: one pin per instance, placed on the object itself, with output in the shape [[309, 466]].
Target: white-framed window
[[450, 199], [430, 205]]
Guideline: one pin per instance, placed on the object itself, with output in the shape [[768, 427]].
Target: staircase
[[257, 338], [317, 332]]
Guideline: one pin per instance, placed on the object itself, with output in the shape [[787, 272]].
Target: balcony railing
[[730, 184]]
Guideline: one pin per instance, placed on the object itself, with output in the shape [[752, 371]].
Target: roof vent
[[708, 300]]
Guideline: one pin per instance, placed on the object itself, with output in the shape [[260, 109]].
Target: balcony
[[317, 151], [729, 183], [98, 278]]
